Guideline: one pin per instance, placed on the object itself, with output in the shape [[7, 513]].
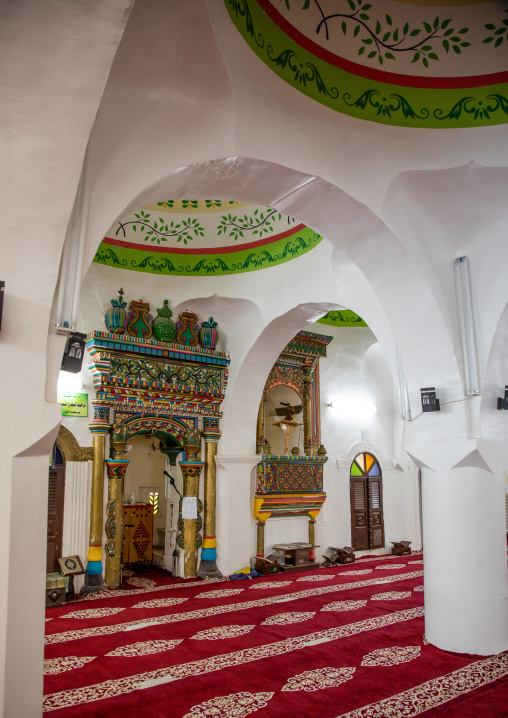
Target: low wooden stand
[[401, 548], [266, 566], [296, 556], [340, 556]]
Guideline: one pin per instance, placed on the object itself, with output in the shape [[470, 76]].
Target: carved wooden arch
[[284, 376], [70, 447], [175, 428]]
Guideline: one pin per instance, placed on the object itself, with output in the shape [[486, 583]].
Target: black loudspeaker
[[429, 401], [502, 403], [72, 359], [2, 285]]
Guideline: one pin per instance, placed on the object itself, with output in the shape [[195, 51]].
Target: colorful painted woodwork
[[140, 321], [187, 329], [290, 474], [298, 368], [144, 386], [208, 335], [292, 485], [189, 537], [137, 533], [114, 510], [115, 317], [164, 328]]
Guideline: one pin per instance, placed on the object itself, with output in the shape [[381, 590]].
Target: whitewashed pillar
[[464, 545]]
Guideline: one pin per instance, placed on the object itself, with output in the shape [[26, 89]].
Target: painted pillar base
[[208, 569], [93, 584]]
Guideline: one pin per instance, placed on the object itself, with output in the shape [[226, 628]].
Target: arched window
[[366, 488]]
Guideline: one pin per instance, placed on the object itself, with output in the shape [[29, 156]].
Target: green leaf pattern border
[[195, 264], [361, 97], [342, 318]]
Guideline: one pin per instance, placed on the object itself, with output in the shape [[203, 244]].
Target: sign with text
[[73, 404], [189, 507]]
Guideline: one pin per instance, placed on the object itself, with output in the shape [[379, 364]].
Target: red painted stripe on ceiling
[[443, 83], [212, 250]]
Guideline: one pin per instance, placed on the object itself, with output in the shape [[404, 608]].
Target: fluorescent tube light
[[467, 326]]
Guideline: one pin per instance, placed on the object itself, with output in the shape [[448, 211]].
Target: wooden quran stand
[[340, 556], [401, 548]]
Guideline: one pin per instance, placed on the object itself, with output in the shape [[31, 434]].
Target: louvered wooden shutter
[[55, 516], [376, 527], [359, 514]]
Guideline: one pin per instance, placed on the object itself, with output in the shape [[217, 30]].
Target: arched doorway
[[366, 490]]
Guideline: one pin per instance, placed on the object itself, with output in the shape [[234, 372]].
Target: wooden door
[[56, 490], [366, 489], [359, 514]]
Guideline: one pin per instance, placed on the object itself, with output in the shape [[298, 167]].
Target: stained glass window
[[365, 465]]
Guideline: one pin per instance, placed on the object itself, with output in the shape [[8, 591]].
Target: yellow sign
[[73, 404]]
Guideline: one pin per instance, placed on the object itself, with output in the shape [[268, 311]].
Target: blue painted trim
[[94, 568], [208, 554]]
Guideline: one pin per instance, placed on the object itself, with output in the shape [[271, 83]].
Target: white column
[[464, 544], [78, 481], [235, 523]]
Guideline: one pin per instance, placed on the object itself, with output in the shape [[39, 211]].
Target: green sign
[[73, 404]]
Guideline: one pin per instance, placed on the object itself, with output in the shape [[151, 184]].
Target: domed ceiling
[[433, 63], [204, 237]]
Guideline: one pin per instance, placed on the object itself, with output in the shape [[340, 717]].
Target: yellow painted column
[[191, 538], [260, 517], [114, 522], [208, 562], [312, 533], [94, 580], [307, 413]]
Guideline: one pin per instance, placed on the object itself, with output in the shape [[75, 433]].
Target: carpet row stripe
[[437, 691], [115, 593], [150, 679], [228, 608]]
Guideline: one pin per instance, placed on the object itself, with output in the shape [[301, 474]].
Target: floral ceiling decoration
[[204, 238], [395, 61]]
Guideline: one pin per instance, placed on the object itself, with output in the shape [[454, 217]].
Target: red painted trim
[[212, 250], [443, 83]]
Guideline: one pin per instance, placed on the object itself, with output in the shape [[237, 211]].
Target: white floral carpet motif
[[418, 588], [318, 679], [236, 705], [391, 567], [317, 577], [141, 582], [391, 656], [53, 666], [360, 572], [160, 602], [144, 648], [93, 613], [344, 605], [272, 584], [390, 596], [220, 594], [214, 634], [283, 619]]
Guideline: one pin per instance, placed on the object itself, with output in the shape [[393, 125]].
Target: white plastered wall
[[162, 111]]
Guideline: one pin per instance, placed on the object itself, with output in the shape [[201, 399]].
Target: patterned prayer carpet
[[340, 642]]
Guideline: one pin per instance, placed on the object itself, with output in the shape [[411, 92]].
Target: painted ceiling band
[[372, 73], [148, 260], [201, 250], [363, 97]]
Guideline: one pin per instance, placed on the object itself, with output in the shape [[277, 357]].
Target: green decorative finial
[[165, 311], [164, 328]]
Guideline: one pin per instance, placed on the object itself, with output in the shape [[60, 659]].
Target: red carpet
[[332, 643]]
